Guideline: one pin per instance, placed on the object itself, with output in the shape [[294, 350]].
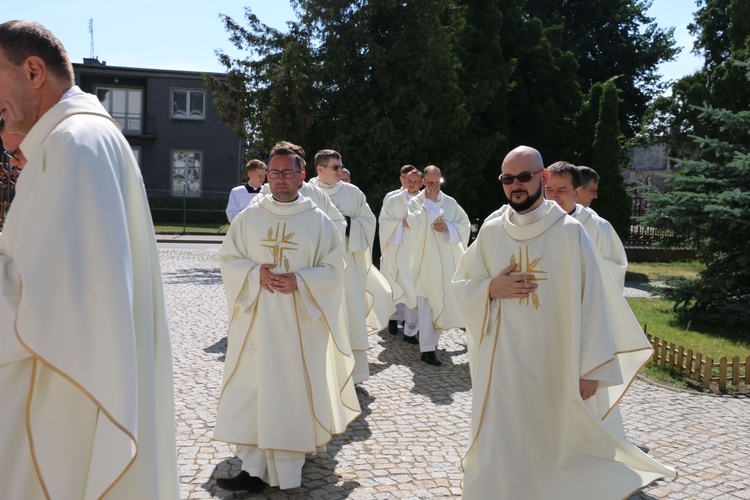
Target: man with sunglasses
[[548, 358], [287, 385], [358, 239]]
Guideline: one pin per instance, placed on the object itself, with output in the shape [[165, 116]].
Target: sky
[[167, 34]]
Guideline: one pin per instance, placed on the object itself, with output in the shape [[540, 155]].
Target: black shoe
[[242, 481], [412, 340], [393, 327], [431, 358]]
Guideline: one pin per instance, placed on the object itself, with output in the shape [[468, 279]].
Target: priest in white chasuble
[[441, 232], [564, 187], [551, 348], [397, 244], [358, 239], [287, 385], [86, 395]]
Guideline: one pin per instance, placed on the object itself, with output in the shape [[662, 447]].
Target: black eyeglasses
[[287, 174], [334, 167], [522, 177]]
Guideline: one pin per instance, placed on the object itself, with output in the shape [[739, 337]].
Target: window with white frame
[[186, 172], [124, 105], [188, 104]]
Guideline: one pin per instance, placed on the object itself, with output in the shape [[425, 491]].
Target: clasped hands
[[282, 283]]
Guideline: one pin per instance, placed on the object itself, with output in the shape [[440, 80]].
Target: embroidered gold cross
[[279, 243], [531, 268]]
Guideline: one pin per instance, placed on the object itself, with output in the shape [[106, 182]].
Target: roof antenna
[[91, 32]]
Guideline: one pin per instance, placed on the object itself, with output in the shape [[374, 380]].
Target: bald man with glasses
[[549, 359]]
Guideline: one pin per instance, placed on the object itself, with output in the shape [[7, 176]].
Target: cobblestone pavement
[[411, 437]]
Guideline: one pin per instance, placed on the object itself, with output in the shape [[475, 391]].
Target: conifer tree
[[613, 203], [707, 209]]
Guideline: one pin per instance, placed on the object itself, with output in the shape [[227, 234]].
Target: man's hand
[[588, 388], [440, 227], [283, 283], [431, 191], [267, 278], [286, 283], [404, 223], [511, 286]]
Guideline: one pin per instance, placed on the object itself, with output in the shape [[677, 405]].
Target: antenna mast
[[91, 32]]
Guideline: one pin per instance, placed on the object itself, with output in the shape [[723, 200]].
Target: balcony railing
[[131, 123]]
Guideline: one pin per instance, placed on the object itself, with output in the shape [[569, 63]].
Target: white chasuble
[[287, 382], [606, 241], [397, 243], [532, 435], [435, 255], [351, 202], [86, 398]]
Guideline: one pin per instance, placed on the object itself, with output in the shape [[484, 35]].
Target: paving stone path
[[411, 436]]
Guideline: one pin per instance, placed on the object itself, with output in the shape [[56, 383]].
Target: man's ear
[[578, 192], [35, 70], [545, 177], [302, 177]]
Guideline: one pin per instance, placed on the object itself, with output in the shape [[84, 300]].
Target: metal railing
[[8, 178], [131, 123]]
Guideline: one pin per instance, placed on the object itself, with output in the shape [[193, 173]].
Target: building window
[[188, 104], [186, 173], [137, 153], [124, 105]]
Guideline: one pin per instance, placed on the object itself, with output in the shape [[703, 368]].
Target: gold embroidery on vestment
[[279, 242], [531, 268]]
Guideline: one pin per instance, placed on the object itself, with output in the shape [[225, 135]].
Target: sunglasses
[[508, 179]]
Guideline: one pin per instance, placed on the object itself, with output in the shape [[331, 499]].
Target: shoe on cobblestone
[[392, 327], [412, 340], [431, 358], [242, 481]]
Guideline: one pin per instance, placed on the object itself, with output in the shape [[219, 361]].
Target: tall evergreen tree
[[613, 203], [613, 38], [586, 122], [707, 209]]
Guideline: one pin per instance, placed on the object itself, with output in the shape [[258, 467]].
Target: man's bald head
[[432, 170], [524, 156]]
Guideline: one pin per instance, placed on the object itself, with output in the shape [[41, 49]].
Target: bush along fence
[[702, 370]]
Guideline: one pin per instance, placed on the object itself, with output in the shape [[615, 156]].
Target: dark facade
[[175, 129]]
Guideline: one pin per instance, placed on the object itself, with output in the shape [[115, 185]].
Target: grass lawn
[[657, 271], [714, 340], [191, 229]]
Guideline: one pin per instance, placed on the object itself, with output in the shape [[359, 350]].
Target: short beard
[[531, 198]]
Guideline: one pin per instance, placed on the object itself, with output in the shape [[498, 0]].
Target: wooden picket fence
[[702, 370]]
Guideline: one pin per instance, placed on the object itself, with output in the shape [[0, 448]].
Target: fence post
[[680, 359], [698, 366], [747, 370], [689, 364], [708, 372], [736, 371], [723, 374]]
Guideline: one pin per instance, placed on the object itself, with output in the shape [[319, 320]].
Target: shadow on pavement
[[194, 276], [318, 473]]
